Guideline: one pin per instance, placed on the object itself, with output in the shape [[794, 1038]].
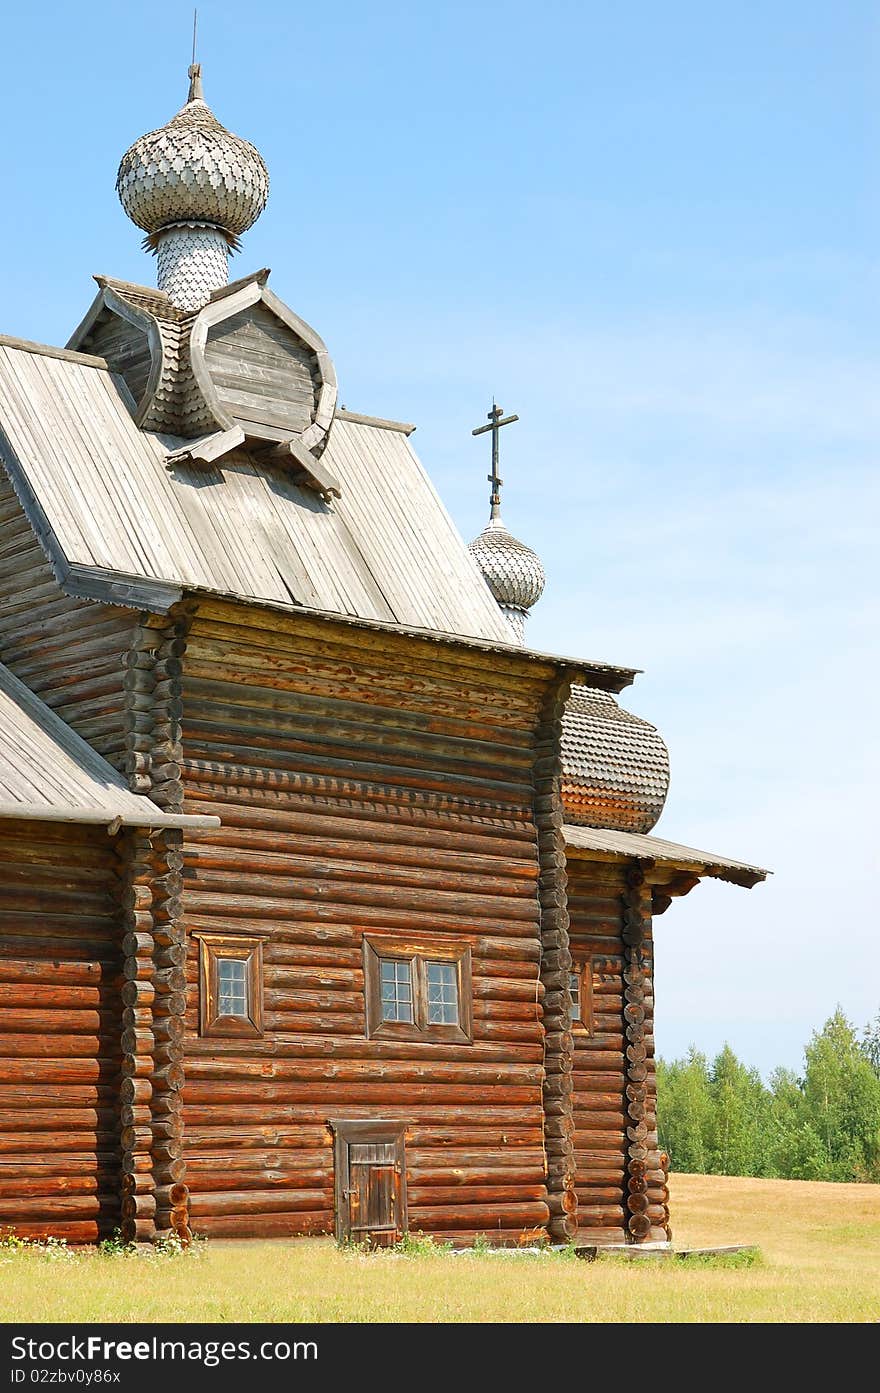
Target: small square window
[[418, 990], [230, 985]]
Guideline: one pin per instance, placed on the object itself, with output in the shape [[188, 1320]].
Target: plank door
[[370, 1183]]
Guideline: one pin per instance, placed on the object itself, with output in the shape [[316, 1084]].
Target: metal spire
[[195, 69], [497, 419]]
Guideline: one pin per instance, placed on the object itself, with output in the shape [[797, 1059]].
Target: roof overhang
[[607, 676], [113, 587], [149, 818], [606, 844], [48, 773]]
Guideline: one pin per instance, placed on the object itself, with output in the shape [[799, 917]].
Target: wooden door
[[370, 1183]]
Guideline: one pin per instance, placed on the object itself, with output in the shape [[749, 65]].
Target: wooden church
[[326, 903]]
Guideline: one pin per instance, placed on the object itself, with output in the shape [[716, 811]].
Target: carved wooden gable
[[242, 369]]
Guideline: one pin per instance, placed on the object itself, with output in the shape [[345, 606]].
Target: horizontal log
[[40, 1208], [367, 816], [213, 865], [250, 913], [478, 1217], [333, 1095], [598, 1194], [291, 1225], [602, 1215], [77, 973], [450, 1071], [63, 1047], [27, 1074], [71, 1231], [269, 1114], [422, 1196], [307, 1048], [258, 1202]]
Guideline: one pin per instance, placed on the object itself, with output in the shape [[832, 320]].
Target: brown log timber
[[59, 1031], [169, 982], [642, 1152], [547, 774], [138, 1210], [384, 786]]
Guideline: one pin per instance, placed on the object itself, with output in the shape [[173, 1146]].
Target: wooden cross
[[497, 419]]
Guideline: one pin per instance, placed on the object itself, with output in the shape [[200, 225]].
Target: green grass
[[819, 1261]]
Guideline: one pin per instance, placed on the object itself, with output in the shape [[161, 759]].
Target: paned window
[[417, 989], [397, 994], [441, 980], [574, 986], [230, 985]]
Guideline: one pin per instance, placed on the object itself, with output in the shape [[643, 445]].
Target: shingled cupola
[[512, 571], [194, 188], [211, 367]]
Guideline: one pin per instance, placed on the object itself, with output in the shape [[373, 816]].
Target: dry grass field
[[820, 1247]]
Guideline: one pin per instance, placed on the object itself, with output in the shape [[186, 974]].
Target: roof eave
[[689, 862], [138, 592], [606, 676], [149, 818]]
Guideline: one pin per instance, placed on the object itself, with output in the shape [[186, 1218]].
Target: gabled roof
[[47, 772], [111, 510], [632, 846]]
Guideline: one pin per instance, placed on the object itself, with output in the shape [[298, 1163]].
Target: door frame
[[348, 1130]]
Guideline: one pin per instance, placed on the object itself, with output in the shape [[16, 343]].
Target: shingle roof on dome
[[512, 570], [615, 765], [193, 170]]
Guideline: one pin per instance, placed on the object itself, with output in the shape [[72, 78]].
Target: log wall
[[69, 652], [60, 1015], [365, 783], [616, 1152]]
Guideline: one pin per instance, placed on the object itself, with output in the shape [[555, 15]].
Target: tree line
[[720, 1118]]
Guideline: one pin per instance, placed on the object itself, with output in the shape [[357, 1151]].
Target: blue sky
[[651, 231]]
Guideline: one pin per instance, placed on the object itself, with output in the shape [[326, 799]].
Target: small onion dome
[[512, 570], [193, 170]]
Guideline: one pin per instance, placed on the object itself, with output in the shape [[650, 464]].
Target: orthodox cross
[[497, 419]]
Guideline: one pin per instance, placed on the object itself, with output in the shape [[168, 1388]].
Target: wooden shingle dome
[[193, 170]]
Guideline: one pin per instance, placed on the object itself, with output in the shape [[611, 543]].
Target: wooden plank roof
[[49, 773], [635, 846], [105, 495]]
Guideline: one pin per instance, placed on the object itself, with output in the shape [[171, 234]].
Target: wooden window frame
[[417, 952], [582, 968], [243, 948]]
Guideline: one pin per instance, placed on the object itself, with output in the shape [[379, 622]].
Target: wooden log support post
[[555, 966], [153, 751], [152, 707], [169, 1009], [138, 1203], [646, 1218]]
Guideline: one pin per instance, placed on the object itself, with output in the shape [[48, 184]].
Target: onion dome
[[512, 571], [193, 171], [615, 766]]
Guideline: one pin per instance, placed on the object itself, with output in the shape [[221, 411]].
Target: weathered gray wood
[[47, 351], [314, 472], [210, 447], [343, 414]]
